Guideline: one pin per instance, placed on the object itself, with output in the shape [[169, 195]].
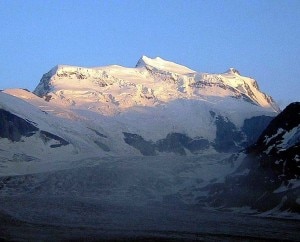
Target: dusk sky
[[259, 38]]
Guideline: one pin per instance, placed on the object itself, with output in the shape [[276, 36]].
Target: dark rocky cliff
[[13, 127], [268, 178]]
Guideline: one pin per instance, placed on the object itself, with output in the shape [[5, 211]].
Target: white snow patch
[[269, 149], [293, 183], [268, 139], [290, 138]]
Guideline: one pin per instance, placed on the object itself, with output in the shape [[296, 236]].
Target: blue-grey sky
[[259, 38]]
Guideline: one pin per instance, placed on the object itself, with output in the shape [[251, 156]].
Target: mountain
[[115, 152], [268, 178], [115, 110]]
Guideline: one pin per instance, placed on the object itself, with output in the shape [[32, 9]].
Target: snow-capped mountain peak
[[161, 64], [113, 89], [233, 71]]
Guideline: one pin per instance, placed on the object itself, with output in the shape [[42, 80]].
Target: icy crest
[[233, 71], [162, 64]]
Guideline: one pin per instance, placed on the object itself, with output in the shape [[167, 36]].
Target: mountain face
[[153, 93], [278, 146], [268, 177], [157, 108]]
